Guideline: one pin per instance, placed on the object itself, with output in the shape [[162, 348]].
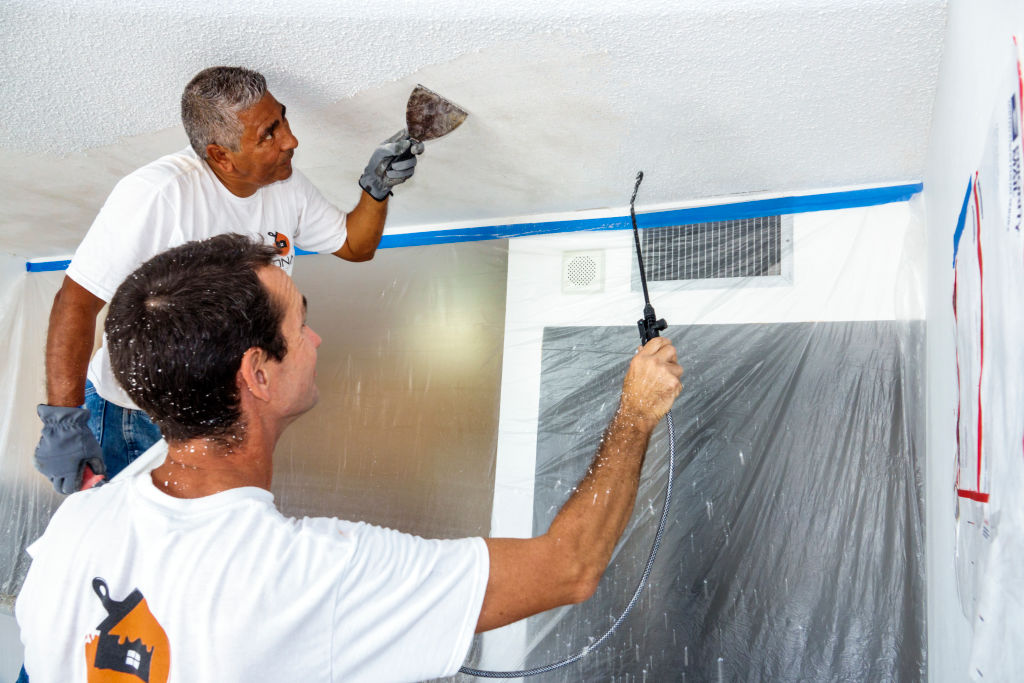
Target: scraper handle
[[382, 168]]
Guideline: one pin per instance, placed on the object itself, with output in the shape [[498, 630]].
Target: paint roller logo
[[130, 645]]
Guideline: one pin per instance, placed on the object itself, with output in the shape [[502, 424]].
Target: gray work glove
[[66, 447], [391, 164]]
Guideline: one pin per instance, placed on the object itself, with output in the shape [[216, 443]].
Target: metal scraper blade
[[429, 116]]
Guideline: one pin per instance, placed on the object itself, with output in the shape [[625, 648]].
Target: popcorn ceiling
[[567, 100]]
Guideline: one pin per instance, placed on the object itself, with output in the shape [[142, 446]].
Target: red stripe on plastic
[[981, 316], [973, 495], [1020, 86]]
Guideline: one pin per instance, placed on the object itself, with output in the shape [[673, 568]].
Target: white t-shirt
[[176, 199], [224, 588]]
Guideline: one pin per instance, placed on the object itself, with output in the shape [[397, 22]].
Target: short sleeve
[[132, 226], [322, 225], [408, 607]]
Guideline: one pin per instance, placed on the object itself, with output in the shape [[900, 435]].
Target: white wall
[[851, 264], [976, 41]]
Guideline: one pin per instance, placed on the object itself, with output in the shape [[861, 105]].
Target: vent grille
[[750, 247], [583, 271]]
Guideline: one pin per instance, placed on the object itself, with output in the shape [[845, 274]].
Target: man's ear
[[254, 375], [219, 157]]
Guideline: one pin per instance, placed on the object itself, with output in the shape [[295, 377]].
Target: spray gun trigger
[[649, 327]]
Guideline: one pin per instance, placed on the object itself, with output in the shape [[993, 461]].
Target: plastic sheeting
[[404, 433], [464, 388], [988, 268], [26, 500], [794, 550]]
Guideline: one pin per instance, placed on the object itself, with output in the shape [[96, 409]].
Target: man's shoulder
[[181, 167], [83, 510], [83, 503]]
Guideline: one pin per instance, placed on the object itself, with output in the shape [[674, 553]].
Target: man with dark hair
[[183, 564], [236, 177]]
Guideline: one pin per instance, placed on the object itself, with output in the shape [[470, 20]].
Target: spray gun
[[649, 325]]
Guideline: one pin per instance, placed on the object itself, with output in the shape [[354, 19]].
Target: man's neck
[[203, 467], [235, 186]]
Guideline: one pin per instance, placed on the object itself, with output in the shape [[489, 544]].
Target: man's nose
[[289, 140]]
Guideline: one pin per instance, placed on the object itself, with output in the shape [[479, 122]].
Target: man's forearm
[[596, 514], [69, 343], [564, 565], [365, 226], [590, 523]]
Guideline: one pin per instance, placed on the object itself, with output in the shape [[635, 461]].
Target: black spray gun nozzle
[[649, 325]]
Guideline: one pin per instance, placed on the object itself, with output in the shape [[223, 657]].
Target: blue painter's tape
[[494, 232], [962, 220], [781, 206], [699, 214], [44, 266], [658, 219]]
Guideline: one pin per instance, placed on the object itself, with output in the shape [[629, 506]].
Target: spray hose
[[649, 326], [632, 602]]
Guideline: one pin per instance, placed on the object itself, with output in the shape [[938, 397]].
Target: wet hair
[[179, 325], [212, 101]]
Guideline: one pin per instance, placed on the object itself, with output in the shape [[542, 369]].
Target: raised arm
[[392, 163], [365, 225], [564, 565]]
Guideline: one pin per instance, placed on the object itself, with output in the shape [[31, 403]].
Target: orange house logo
[[281, 242], [130, 645]]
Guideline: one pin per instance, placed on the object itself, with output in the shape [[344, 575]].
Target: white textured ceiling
[[567, 99]]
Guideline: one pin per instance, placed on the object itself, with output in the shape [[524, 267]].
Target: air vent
[[583, 271], [750, 247]]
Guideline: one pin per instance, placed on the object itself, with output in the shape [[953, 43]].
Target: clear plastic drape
[[794, 543], [26, 499], [794, 546]]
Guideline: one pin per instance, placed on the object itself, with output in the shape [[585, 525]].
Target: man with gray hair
[[236, 177]]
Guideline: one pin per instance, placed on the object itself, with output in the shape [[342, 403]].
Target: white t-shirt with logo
[[176, 199], [225, 588]]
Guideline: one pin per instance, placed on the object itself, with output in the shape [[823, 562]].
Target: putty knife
[[429, 116]]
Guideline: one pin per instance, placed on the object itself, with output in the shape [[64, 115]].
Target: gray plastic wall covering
[[794, 550]]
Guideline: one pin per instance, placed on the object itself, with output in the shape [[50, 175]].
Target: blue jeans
[[124, 434]]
